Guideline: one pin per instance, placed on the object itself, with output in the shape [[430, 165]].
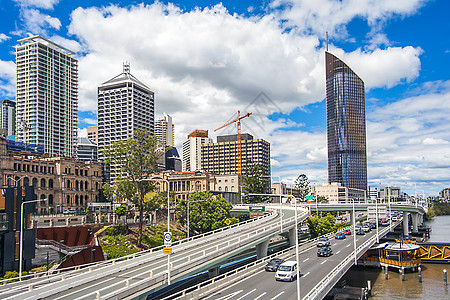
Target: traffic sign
[[256, 214], [167, 239], [227, 221], [167, 250], [257, 209]]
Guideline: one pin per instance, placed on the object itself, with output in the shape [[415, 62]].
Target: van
[[287, 271]]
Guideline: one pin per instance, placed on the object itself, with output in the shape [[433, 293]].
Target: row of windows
[[34, 168]]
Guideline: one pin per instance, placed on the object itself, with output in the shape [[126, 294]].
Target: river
[[432, 286]]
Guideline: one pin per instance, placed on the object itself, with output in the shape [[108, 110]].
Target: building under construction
[[222, 157]]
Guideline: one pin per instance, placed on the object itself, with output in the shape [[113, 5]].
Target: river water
[[432, 286]]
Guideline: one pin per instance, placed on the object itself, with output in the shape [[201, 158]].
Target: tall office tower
[[164, 130], [8, 116], [125, 105], [92, 133], [346, 125], [221, 158], [192, 150], [86, 149], [47, 96]]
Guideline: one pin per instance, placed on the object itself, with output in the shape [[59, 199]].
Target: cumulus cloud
[[37, 22], [7, 78], [44, 4], [4, 37]]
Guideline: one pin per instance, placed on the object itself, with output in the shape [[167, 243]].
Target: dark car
[[360, 232], [273, 264], [324, 251], [340, 236]]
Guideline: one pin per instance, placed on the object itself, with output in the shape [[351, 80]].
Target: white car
[[287, 271]]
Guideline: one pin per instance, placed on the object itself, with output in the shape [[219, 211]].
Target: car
[[372, 225], [69, 212], [340, 236], [273, 264], [358, 228], [394, 218], [360, 232], [366, 228], [287, 271], [324, 251], [323, 241], [347, 231]]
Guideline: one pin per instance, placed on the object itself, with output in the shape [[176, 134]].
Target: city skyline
[[204, 63]]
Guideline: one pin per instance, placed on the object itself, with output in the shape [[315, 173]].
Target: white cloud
[[7, 78], [432, 141], [4, 37], [37, 22], [82, 132], [89, 121], [45, 4], [319, 16]]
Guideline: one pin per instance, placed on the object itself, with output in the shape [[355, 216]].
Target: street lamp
[[281, 206], [16, 180], [296, 252], [168, 217], [92, 254], [354, 230], [21, 233]]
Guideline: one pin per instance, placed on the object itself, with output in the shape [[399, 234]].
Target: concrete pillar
[[34, 224], [108, 218], [420, 219], [213, 272], [83, 220], [415, 221], [405, 225], [292, 236], [351, 217], [67, 221], [261, 249], [51, 223]]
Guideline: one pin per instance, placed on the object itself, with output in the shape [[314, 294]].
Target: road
[[262, 284]]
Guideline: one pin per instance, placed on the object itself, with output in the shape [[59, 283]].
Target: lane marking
[[260, 296], [230, 295], [306, 259], [306, 274], [278, 295], [324, 261], [348, 245], [246, 294], [338, 252], [236, 283], [334, 244]]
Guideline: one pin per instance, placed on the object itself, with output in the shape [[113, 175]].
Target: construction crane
[[238, 125]]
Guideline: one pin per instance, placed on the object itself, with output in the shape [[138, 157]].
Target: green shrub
[[119, 229], [115, 246]]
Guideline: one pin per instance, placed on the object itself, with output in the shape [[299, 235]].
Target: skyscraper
[[346, 125], [47, 96], [125, 105], [8, 116], [192, 149], [164, 130]]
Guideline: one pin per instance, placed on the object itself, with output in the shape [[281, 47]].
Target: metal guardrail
[[213, 284]]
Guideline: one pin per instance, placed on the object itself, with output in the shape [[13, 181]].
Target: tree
[[255, 181], [135, 159], [206, 212], [302, 186], [121, 210]]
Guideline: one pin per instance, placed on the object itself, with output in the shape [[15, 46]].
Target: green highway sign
[[257, 209]]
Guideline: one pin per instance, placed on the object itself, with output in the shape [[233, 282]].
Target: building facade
[[47, 96], [390, 193], [221, 157], [346, 125], [8, 116], [335, 193], [164, 130], [444, 195], [192, 150], [125, 105], [68, 184], [86, 149], [92, 133]]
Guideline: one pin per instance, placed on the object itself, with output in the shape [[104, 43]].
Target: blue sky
[[205, 60]]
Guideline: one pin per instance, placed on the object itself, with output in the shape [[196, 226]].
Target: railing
[[397, 263], [74, 271]]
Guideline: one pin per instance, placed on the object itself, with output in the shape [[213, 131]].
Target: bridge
[[140, 273]]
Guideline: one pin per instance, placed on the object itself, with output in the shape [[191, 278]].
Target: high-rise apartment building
[[8, 116], [192, 149], [221, 157], [92, 133], [86, 149], [47, 96], [164, 130], [125, 105], [346, 125]]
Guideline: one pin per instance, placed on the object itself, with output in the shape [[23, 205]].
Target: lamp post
[[168, 217], [390, 212], [16, 180], [296, 252], [21, 233], [281, 206], [354, 230], [376, 217]]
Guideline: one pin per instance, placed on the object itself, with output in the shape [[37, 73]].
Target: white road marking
[[306, 274], [230, 295], [278, 295], [334, 244], [236, 283], [338, 252], [246, 294], [260, 296], [306, 259], [324, 261], [348, 245]]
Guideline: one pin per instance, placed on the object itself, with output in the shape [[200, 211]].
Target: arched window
[[68, 199], [50, 199], [50, 183], [76, 199], [226, 189], [34, 182], [96, 186], [81, 200], [220, 188], [42, 183], [42, 198], [76, 185], [26, 181], [68, 184], [232, 188], [81, 185], [86, 185]]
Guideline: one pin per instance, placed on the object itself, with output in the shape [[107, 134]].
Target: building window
[[68, 184], [220, 188], [76, 185], [50, 183], [86, 186], [50, 199], [42, 183], [68, 199], [76, 171], [34, 182], [232, 188]]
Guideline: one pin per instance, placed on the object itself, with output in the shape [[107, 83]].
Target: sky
[[206, 60]]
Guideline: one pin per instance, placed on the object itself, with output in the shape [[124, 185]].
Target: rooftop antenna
[[327, 41], [126, 67]]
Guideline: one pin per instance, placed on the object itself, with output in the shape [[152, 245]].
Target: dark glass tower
[[346, 125]]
